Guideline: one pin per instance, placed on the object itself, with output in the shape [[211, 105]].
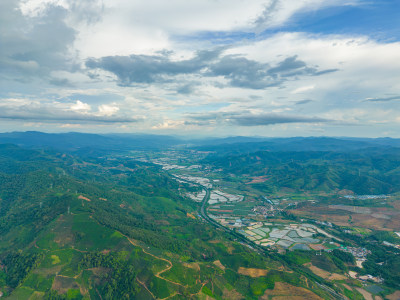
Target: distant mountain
[[224, 146], [98, 143], [74, 141]]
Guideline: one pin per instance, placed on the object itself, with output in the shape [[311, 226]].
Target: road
[[258, 248], [237, 236]]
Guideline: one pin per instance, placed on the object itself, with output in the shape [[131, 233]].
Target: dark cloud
[[187, 89], [245, 73], [305, 101], [151, 68], [237, 70], [291, 67], [383, 99], [242, 72], [250, 119], [62, 82], [270, 119]]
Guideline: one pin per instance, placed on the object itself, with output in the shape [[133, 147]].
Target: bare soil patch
[[252, 272], [219, 265], [48, 271], [221, 210], [336, 276], [230, 249], [100, 271], [347, 286], [194, 266], [365, 294], [258, 179], [84, 198], [325, 274], [232, 295], [394, 296], [189, 215], [317, 246], [63, 284], [284, 290]]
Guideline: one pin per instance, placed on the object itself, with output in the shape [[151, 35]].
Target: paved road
[[239, 237]]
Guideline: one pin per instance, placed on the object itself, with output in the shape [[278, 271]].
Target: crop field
[[236, 208], [21, 292], [375, 218], [284, 290], [252, 272], [38, 282], [91, 236]]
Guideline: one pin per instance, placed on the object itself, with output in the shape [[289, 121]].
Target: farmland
[[177, 223]]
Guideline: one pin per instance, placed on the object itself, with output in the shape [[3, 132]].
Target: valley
[[181, 222]]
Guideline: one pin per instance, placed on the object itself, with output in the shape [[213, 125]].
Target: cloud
[[305, 101], [242, 72], [187, 89], [252, 119], [237, 70], [53, 112], [33, 47], [271, 119], [80, 106], [110, 61], [108, 110], [303, 89], [252, 74], [382, 99], [151, 68]]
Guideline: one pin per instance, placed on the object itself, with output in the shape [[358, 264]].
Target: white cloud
[[108, 110], [169, 124], [43, 66], [80, 106], [147, 26], [303, 89]]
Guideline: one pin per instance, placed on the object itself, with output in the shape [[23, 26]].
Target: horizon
[[187, 137], [266, 68]]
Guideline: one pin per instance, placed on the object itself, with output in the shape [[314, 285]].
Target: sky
[[273, 68]]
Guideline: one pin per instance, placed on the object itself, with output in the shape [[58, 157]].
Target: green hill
[[101, 229]]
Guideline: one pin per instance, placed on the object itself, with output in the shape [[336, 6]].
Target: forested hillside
[[108, 229], [362, 172]]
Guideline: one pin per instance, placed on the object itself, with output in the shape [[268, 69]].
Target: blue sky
[[201, 67], [379, 20]]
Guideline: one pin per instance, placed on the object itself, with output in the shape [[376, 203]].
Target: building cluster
[[365, 197], [358, 252], [329, 224], [264, 210], [198, 197]]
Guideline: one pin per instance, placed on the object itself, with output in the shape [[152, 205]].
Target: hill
[[74, 228]]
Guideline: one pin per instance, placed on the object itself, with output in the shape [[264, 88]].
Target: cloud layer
[[237, 70], [199, 67]]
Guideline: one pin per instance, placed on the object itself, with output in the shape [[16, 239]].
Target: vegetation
[[83, 225]]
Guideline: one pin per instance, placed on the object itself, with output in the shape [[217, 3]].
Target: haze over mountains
[[74, 141]]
